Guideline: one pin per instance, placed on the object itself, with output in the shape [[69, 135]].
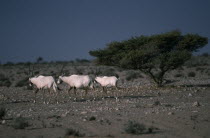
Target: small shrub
[[156, 103], [4, 81], [178, 75], [73, 132], [131, 75], [82, 61], [36, 72], [200, 69], [134, 128], [191, 74], [98, 72], [109, 72], [78, 71], [23, 82], [2, 112], [20, 123], [205, 55], [92, 118], [9, 63]]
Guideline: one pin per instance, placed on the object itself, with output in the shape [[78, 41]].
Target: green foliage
[[2, 112], [131, 75], [4, 81], [109, 72], [154, 55], [105, 71], [20, 123], [197, 61]]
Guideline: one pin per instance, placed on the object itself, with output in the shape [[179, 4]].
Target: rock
[[196, 104], [189, 94], [171, 113], [18, 115], [117, 109], [3, 122], [65, 114], [83, 113]]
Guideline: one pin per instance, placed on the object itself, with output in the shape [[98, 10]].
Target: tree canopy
[[154, 55]]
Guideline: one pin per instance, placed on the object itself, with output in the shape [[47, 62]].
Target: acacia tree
[[154, 55]]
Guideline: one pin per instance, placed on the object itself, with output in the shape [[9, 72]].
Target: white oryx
[[106, 81], [76, 81], [43, 82]]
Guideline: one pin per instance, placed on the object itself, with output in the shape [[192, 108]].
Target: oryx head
[[30, 83], [59, 81]]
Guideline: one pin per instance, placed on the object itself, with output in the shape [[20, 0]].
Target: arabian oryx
[[106, 81], [76, 81], [42, 83]]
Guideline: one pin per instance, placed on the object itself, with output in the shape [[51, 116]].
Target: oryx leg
[[86, 91], [74, 90], [69, 91], [75, 93], [43, 96], [49, 96], [56, 96], [35, 92]]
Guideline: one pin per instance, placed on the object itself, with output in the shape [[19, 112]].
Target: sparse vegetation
[[39, 60], [20, 123], [73, 132], [156, 103], [178, 75], [78, 70], [191, 74], [4, 81], [92, 118], [2, 112], [205, 54], [133, 127], [109, 72], [131, 75], [136, 128], [135, 98], [23, 82]]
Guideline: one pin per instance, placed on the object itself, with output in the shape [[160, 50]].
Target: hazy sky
[[69, 29]]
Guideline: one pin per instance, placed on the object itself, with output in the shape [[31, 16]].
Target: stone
[[83, 113], [170, 113], [196, 104], [3, 122]]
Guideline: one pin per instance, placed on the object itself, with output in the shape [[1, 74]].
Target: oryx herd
[[73, 81]]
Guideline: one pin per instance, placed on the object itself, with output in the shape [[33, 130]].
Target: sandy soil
[[172, 113]]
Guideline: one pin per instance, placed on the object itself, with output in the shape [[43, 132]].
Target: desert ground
[[137, 108]]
